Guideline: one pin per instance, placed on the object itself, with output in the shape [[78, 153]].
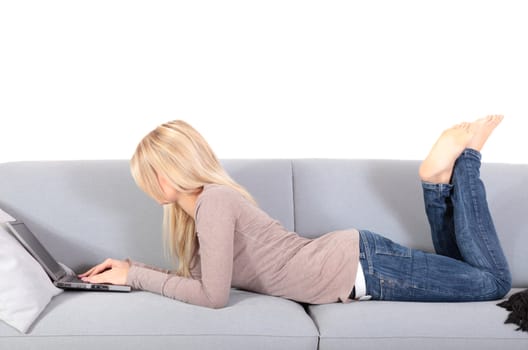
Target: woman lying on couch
[[222, 239]]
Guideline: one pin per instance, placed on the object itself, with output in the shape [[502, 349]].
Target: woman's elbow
[[218, 302], [218, 306]]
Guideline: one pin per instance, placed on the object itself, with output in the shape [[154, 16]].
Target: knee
[[504, 285]]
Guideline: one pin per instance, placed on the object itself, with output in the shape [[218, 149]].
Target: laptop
[[62, 276]]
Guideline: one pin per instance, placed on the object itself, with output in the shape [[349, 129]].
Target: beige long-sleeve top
[[241, 246]]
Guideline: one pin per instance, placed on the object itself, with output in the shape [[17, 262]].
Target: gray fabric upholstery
[[85, 211], [142, 320], [402, 325]]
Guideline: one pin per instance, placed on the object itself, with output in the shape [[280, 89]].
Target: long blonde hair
[[176, 150]]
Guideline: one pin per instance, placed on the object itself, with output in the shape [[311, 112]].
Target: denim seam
[[480, 226], [470, 297], [366, 250]]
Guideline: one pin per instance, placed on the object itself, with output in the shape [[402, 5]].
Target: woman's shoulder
[[220, 193], [218, 189], [219, 198]]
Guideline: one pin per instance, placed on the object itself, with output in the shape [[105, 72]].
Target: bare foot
[[438, 166], [482, 129]]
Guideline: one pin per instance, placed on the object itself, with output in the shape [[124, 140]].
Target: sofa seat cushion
[[405, 325], [142, 320]]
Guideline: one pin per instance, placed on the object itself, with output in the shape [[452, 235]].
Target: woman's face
[[171, 194]]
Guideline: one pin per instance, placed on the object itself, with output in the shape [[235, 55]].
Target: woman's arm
[[210, 289], [140, 264], [215, 225], [215, 228]]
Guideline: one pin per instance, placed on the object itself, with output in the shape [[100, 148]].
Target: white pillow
[[25, 288]]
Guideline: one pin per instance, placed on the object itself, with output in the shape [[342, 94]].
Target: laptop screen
[[37, 250]]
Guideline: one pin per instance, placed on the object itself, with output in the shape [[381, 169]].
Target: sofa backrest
[[85, 211]]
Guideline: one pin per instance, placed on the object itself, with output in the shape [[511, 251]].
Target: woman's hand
[[110, 271]]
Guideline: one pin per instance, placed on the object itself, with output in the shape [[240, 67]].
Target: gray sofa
[[85, 211]]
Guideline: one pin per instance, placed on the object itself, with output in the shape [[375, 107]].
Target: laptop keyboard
[[74, 279]]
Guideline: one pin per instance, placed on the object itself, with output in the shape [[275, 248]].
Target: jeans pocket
[[385, 246]]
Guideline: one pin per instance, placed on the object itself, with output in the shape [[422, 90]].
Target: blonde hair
[[176, 150]]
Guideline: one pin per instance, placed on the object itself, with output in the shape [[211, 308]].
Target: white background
[[260, 79]]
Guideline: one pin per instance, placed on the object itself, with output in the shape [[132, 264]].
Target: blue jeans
[[469, 264]]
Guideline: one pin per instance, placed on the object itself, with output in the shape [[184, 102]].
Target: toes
[[463, 125], [482, 128], [498, 118], [495, 118]]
